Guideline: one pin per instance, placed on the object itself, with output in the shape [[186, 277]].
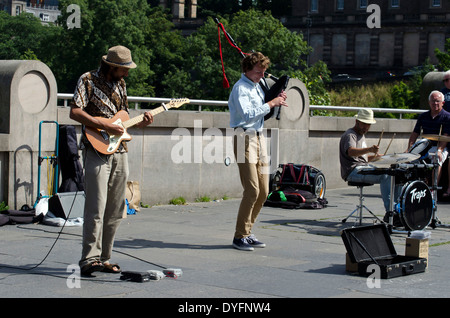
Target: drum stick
[[390, 143], [379, 140]]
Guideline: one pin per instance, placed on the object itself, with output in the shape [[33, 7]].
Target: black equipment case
[[368, 245], [299, 176]]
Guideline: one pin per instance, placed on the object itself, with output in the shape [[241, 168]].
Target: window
[[17, 10], [436, 3], [362, 4], [339, 4], [314, 6], [44, 17], [395, 3]]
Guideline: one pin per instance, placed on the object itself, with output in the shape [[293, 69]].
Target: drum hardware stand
[[435, 220], [391, 211], [390, 223], [360, 207]]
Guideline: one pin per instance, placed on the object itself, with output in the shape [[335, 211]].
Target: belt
[[245, 129]]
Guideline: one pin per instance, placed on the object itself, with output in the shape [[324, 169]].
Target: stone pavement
[[304, 257]]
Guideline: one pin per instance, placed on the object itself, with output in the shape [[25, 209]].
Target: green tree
[[201, 76], [406, 94], [315, 78], [104, 24], [443, 57], [23, 37], [169, 64]]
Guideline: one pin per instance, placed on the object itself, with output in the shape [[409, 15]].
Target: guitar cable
[[51, 248], [56, 240]]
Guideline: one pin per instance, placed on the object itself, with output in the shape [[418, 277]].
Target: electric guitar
[[106, 143]]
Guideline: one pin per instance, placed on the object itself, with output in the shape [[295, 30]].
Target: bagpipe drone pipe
[[270, 91]]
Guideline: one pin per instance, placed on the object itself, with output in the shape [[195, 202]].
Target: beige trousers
[[105, 182], [250, 150]]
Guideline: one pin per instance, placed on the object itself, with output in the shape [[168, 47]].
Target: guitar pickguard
[[115, 140]]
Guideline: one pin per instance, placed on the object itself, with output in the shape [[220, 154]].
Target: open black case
[[368, 245]]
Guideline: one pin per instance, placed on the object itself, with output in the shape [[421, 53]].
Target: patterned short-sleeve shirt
[[98, 97]]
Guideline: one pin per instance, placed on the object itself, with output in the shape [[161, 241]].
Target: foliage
[[22, 37], [169, 64], [178, 201], [403, 97], [3, 206], [444, 57], [204, 198], [406, 94], [104, 24], [402, 94], [201, 77], [315, 78], [372, 95]]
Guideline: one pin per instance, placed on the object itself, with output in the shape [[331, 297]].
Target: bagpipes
[[270, 93]]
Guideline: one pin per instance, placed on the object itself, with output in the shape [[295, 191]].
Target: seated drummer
[[436, 121], [354, 157]]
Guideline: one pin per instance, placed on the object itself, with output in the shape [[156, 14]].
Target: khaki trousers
[[250, 150], [105, 182]]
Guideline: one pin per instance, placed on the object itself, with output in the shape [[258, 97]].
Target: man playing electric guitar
[[102, 94]]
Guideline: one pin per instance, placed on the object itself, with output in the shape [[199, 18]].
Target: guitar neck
[[138, 119]]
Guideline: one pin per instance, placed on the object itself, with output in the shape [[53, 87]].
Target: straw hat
[[119, 56], [365, 116]]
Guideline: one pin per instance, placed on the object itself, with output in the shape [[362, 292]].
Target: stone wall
[[181, 154]]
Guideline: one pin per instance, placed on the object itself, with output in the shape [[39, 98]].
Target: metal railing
[[375, 110], [216, 103]]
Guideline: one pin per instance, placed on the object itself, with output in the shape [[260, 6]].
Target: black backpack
[[291, 198], [71, 169]]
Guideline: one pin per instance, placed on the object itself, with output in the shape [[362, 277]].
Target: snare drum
[[415, 205], [421, 147]]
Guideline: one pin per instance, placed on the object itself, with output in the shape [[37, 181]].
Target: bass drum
[[415, 207], [421, 147]]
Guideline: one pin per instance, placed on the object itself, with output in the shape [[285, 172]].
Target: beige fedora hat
[[365, 116], [119, 56]]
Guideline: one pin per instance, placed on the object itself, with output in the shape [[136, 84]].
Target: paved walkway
[[304, 257]]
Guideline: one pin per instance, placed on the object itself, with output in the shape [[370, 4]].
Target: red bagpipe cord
[[225, 82]]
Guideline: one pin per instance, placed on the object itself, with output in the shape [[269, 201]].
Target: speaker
[[67, 204]]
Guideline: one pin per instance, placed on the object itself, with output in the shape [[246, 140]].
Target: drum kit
[[416, 205]]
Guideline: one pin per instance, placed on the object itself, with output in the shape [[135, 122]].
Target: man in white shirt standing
[[247, 111]]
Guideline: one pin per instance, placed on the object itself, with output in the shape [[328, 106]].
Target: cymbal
[[396, 158], [437, 137]]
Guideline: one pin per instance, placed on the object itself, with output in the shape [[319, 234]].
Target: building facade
[[46, 10], [372, 34], [181, 9]]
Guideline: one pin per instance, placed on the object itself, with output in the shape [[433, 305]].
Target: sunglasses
[[446, 79]]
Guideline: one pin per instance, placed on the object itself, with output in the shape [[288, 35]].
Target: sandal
[[88, 269], [111, 268]]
